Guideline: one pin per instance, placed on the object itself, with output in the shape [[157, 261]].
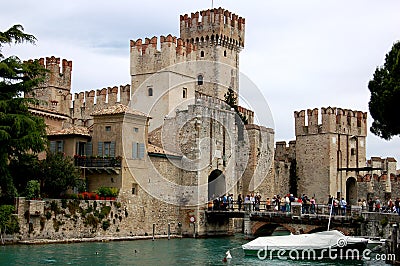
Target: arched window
[[225, 53], [150, 92], [184, 93], [199, 80], [202, 54]]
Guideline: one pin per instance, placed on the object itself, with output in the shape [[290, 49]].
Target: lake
[[186, 251]]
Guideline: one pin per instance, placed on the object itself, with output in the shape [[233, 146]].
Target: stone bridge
[[259, 223]]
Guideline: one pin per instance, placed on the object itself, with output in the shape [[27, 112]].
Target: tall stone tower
[[204, 59], [330, 154], [219, 37], [54, 93]]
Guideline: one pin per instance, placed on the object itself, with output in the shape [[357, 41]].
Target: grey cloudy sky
[[300, 53]]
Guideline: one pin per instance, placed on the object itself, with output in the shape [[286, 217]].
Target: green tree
[[57, 174], [32, 190], [231, 100], [20, 131], [385, 96], [8, 222]]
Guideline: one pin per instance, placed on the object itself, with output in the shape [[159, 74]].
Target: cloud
[[300, 54]]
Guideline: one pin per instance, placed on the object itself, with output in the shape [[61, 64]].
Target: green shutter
[[100, 148], [89, 149], [141, 150], [52, 146], [62, 146], [134, 150], [112, 149]]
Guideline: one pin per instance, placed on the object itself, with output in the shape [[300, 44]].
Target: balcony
[[92, 164]]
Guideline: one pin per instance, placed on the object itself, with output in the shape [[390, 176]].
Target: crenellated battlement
[[86, 102], [218, 24], [333, 120], [169, 45], [58, 78], [285, 153]]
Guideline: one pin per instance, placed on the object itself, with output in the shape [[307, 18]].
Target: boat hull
[[350, 252]]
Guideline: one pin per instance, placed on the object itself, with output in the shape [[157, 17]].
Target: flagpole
[[212, 4]]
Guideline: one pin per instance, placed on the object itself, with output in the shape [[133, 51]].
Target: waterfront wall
[[69, 219]]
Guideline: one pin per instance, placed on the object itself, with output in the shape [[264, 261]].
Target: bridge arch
[[267, 228], [216, 184]]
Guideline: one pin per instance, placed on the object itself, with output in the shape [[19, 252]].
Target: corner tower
[[331, 154]]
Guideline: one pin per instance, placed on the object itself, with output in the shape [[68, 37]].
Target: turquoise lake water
[[184, 251]]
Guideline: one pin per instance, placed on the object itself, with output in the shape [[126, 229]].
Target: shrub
[[106, 224], [105, 210], [54, 207], [32, 189], [91, 220], [73, 207], [9, 222], [64, 203], [107, 191], [48, 215]]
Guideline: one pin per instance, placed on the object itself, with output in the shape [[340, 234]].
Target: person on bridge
[[343, 205], [247, 203], [313, 203], [397, 205], [239, 201]]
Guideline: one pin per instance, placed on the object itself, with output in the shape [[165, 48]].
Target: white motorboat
[[315, 246]]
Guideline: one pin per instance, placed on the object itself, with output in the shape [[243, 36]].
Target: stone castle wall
[[66, 219]]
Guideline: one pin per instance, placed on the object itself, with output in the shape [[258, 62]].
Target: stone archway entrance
[[351, 191], [216, 184]]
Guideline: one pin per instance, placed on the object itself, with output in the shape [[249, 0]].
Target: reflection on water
[[145, 252]]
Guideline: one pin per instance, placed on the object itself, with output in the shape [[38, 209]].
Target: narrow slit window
[[150, 92], [184, 93], [199, 80]]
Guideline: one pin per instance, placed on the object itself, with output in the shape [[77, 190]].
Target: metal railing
[[97, 162], [263, 206]]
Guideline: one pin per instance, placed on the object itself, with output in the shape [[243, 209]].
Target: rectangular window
[[108, 128], [135, 129], [80, 148], [57, 146], [184, 93], [134, 189], [106, 149], [60, 146], [107, 146]]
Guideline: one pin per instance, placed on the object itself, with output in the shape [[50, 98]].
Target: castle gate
[[216, 184], [351, 191]]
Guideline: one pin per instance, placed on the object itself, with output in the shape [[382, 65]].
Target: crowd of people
[[337, 206], [377, 205], [252, 202]]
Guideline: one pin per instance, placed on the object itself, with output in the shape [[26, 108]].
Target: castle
[[168, 140], [170, 143]]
